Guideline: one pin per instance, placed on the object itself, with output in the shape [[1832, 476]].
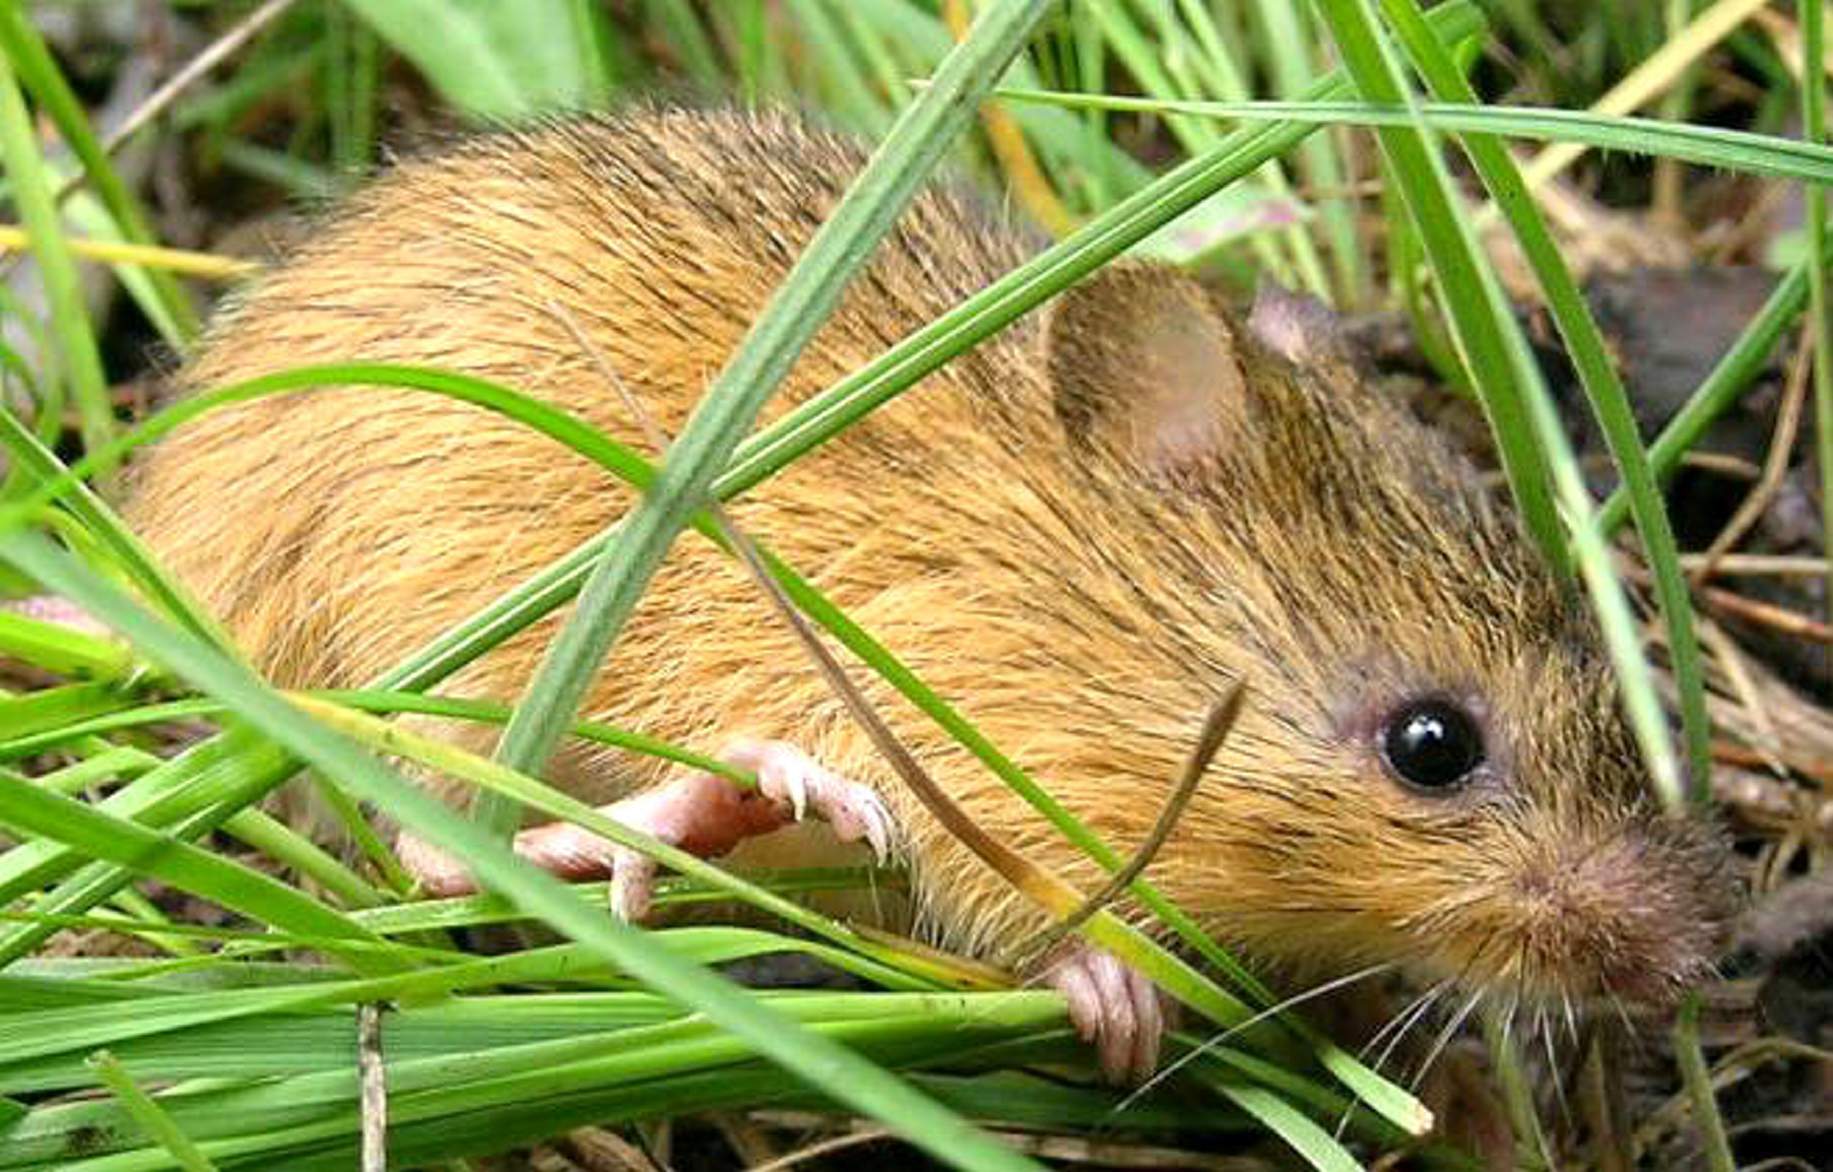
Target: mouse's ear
[[1296, 326], [1144, 364]]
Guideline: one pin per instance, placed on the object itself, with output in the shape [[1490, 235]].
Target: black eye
[[1432, 744]]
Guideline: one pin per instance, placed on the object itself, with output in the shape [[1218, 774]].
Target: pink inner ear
[[1196, 390], [1291, 325], [1143, 362]]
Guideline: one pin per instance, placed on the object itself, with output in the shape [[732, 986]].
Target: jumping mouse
[[1081, 533]]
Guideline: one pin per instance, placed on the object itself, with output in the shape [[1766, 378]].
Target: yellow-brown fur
[[1013, 529]]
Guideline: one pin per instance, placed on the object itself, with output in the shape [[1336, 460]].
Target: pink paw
[[437, 873], [1113, 1007], [49, 608], [700, 812]]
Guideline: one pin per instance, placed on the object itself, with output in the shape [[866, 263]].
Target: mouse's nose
[[1639, 914]]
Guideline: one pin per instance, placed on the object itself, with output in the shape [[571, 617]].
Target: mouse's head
[[1431, 768]]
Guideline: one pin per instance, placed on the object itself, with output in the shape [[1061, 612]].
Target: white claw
[[796, 782], [786, 774], [701, 811], [878, 827]]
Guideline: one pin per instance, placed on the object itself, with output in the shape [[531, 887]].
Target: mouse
[[1081, 533]]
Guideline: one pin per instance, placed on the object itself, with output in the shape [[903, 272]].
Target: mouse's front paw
[[1113, 1007], [700, 812]]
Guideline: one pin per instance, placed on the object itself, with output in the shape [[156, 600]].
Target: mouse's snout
[[1639, 914]]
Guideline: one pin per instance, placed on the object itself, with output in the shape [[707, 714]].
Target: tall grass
[[617, 1024]]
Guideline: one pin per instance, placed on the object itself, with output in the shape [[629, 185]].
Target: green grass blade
[[38, 465], [533, 413], [1488, 342], [61, 650], [839, 76], [1696, 1077], [693, 48], [300, 855], [25, 807], [1143, 59], [173, 792], [151, 1117], [1766, 155], [84, 215], [1289, 48], [1814, 127], [81, 359], [494, 60], [1282, 1119], [23, 744], [33, 712]]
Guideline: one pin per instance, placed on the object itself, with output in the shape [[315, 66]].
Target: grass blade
[[37, 464], [1732, 150], [26, 807], [151, 1117], [1814, 127], [81, 359], [494, 60], [1697, 1078]]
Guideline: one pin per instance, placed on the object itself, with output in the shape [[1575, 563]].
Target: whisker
[[1396, 1021], [1616, 1003], [1218, 1039], [1508, 1018], [1594, 1035], [1458, 1018], [1631, 1035], [1444, 1037], [1405, 1021], [1559, 1084]]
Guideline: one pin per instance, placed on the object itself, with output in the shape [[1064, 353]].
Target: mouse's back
[[336, 530]]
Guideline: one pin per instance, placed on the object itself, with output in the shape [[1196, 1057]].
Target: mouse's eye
[[1432, 745]]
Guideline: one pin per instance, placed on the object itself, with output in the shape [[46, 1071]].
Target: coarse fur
[[1079, 532]]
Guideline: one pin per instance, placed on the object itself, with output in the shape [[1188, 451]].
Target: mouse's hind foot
[[1113, 1007], [700, 812], [59, 611]]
